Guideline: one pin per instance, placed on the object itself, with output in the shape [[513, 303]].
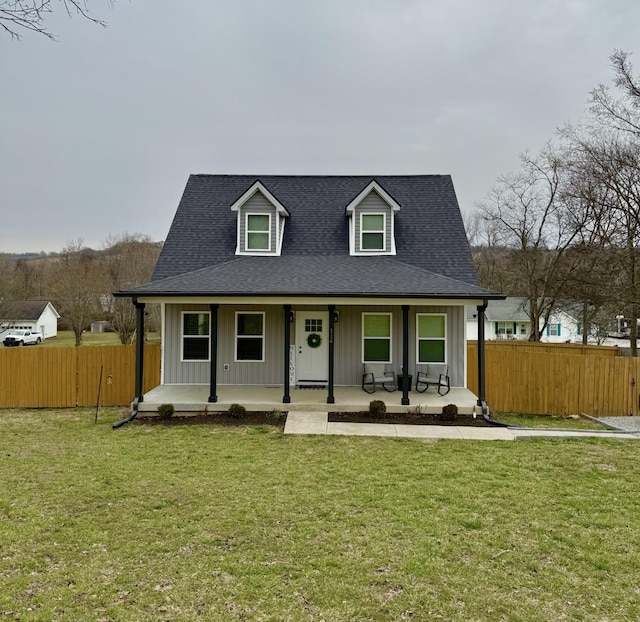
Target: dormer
[[372, 222], [261, 220]]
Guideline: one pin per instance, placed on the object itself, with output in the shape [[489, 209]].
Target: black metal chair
[[434, 375], [376, 374]]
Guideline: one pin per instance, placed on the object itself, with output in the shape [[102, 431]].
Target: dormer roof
[[251, 191], [374, 186]]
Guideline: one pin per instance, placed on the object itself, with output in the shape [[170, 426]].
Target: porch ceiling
[[193, 399]]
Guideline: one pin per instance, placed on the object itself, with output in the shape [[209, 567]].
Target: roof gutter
[[341, 295]]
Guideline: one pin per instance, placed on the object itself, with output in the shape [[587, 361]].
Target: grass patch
[[66, 338], [547, 421], [200, 522]]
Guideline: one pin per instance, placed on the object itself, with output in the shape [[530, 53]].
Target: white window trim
[[182, 336], [390, 315], [269, 232], [236, 337], [419, 339], [351, 211], [280, 212], [384, 232]]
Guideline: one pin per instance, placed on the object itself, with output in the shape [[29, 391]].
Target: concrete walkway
[[317, 423]]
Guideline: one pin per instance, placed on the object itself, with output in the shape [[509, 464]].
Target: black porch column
[[482, 398], [213, 354], [405, 355], [286, 399], [139, 348], [332, 318]]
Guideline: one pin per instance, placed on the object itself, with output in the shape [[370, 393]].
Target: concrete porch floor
[[193, 398]]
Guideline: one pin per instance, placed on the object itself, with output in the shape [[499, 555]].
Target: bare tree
[[619, 112], [604, 155], [77, 286], [17, 16], [531, 227], [128, 261]]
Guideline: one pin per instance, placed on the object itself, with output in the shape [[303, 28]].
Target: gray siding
[[373, 202], [348, 344], [258, 204], [195, 372], [348, 347]]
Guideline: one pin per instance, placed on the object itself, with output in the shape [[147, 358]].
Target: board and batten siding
[[374, 203], [258, 204], [348, 344], [348, 341], [197, 372]]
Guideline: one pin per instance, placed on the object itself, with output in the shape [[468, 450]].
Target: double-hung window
[[431, 332], [195, 336], [372, 232], [553, 330], [376, 337], [258, 232], [250, 336]]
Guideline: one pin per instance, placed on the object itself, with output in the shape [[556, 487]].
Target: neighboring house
[[35, 315], [509, 319], [299, 280]]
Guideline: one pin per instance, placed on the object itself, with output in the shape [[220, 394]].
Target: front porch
[[194, 398]]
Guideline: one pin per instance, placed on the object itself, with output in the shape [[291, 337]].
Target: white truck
[[14, 337]]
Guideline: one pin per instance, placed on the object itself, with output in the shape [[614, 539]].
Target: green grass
[[547, 421], [66, 338], [208, 523]]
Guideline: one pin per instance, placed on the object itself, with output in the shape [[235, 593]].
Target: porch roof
[[313, 275]]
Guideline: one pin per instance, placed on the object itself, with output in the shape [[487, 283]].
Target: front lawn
[[548, 421], [66, 339], [210, 523]]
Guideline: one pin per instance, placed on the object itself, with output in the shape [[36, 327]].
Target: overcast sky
[[100, 130]]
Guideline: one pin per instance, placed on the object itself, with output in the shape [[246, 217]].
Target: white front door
[[312, 347]]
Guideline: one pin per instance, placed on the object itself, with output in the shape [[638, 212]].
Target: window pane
[[377, 325], [258, 222], [258, 241], [249, 324], [195, 324], [376, 350], [196, 349], [431, 352], [250, 349], [372, 241], [430, 326], [372, 222]]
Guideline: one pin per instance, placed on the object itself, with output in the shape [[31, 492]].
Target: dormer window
[[258, 231], [261, 219], [372, 232], [371, 222]]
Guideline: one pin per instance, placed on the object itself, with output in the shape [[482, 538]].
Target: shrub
[[276, 414], [449, 412], [237, 411], [165, 411], [377, 408]]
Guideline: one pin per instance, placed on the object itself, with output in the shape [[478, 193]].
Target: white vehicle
[[21, 338]]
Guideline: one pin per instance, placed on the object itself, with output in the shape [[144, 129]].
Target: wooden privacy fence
[[559, 379], [520, 377], [36, 377]]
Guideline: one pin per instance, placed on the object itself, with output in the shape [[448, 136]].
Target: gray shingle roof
[[314, 275], [22, 309], [315, 257]]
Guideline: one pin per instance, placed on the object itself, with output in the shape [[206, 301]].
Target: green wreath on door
[[314, 340]]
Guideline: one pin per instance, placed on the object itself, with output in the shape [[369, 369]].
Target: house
[[286, 282], [34, 315], [509, 319]]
